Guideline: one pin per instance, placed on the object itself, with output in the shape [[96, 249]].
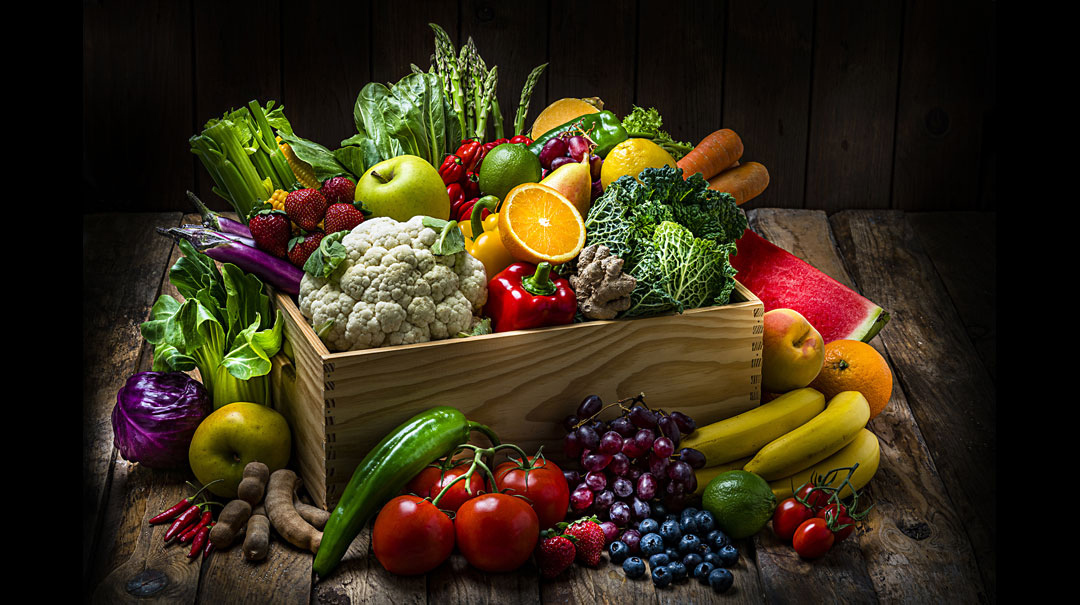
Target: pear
[[574, 180]]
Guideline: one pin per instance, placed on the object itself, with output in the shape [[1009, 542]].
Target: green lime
[[741, 502], [506, 166]]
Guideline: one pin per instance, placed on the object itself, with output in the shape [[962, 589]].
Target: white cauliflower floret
[[392, 289]]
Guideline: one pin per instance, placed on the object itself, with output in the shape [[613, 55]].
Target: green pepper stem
[[539, 284], [476, 216]]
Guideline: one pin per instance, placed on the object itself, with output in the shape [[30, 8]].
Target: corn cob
[[277, 200], [301, 169]]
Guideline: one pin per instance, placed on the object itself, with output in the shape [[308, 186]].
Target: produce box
[[704, 362]]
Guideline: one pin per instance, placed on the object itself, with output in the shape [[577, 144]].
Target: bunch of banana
[[789, 438]]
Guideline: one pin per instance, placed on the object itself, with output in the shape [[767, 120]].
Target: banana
[[821, 437], [864, 449], [707, 474], [743, 435]]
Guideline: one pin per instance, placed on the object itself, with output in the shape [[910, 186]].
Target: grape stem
[[639, 398]]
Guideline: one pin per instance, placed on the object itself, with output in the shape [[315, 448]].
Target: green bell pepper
[[387, 468], [604, 128]]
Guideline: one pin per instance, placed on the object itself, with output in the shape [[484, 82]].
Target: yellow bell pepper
[[486, 246]]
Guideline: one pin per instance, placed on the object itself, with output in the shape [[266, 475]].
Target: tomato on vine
[[496, 532], [789, 515], [813, 538], [411, 536], [541, 481], [837, 517]]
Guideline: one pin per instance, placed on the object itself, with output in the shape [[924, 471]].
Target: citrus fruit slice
[[539, 224], [631, 157]]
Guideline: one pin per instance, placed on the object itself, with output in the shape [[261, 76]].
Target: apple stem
[[379, 177]]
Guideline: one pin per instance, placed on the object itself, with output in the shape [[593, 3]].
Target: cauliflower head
[[391, 289]]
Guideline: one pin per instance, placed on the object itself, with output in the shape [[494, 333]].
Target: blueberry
[[691, 560], [720, 579], [671, 517], [659, 511], [618, 551], [706, 522], [673, 553], [729, 556], [712, 558], [659, 560], [678, 571], [633, 567], [648, 526], [719, 541], [689, 511], [688, 524], [651, 544], [670, 531], [711, 536], [702, 571], [661, 577], [689, 543]]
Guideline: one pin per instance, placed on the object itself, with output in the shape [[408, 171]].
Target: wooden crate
[[704, 362]]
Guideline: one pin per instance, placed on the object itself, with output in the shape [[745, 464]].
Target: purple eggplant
[[215, 221], [279, 273], [247, 241]]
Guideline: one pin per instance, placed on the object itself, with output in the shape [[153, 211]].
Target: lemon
[[631, 157], [741, 502], [506, 166]]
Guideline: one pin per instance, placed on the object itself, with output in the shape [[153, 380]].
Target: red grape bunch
[[629, 464], [566, 148]]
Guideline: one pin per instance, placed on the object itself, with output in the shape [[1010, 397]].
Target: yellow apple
[[231, 437], [792, 352]]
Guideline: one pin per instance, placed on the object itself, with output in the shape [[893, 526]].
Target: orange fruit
[[853, 365], [539, 224]]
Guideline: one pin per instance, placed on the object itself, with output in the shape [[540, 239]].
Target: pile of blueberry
[[678, 547]]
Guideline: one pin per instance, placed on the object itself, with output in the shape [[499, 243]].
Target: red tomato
[[812, 539], [496, 532], [420, 485], [838, 519], [544, 485], [816, 498], [789, 515], [457, 494], [411, 536]]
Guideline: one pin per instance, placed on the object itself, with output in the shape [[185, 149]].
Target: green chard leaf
[[328, 256]]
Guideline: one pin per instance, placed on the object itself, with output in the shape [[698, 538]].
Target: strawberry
[[342, 216], [271, 230], [300, 248], [338, 189], [555, 554], [590, 540], [306, 208]]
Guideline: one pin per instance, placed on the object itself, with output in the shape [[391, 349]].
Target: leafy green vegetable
[[647, 124], [222, 329], [450, 239], [675, 237], [328, 256]]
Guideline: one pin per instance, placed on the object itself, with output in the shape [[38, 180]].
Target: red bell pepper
[[524, 296], [452, 169]]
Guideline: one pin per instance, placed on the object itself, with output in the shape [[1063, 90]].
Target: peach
[[792, 352]]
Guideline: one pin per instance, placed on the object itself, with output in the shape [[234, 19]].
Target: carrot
[[713, 154], [745, 182]]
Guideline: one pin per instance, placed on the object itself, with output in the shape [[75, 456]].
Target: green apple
[[231, 437], [403, 187]]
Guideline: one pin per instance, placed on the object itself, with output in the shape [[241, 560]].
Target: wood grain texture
[[949, 392], [360, 578], [913, 523], [941, 105], [522, 383], [400, 35], [767, 101], [853, 104]]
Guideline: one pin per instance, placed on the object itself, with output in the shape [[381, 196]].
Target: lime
[[741, 501], [506, 166]]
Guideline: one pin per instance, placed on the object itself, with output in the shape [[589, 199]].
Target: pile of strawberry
[[581, 541], [313, 213], [460, 173]]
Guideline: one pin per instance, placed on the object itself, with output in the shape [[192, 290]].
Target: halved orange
[[539, 224]]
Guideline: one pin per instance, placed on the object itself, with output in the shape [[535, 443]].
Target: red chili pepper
[[452, 170], [171, 512], [521, 139], [524, 296], [471, 185], [189, 534], [456, 193], [209, 548], [464, 211], [199, 542], [181, 523], [467, 152]]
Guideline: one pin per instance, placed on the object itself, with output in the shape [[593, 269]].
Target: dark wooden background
[[849, 103]]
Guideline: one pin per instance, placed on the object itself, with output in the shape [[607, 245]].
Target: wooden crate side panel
[[297, 383], [705, 362]]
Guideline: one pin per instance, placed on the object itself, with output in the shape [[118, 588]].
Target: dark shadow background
[[850, 104]]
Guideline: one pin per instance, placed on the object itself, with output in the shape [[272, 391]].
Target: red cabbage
[[155, 416]]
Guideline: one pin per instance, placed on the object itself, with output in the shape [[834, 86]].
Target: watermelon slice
[[783, 281]]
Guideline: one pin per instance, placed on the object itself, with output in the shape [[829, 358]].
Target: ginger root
[[602, 289]]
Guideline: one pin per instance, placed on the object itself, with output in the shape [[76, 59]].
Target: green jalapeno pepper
[[604, 128], [386, 469]]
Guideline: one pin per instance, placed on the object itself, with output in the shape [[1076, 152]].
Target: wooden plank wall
[[850, 104]]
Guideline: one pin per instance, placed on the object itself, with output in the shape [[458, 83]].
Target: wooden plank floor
[[931, 532]]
